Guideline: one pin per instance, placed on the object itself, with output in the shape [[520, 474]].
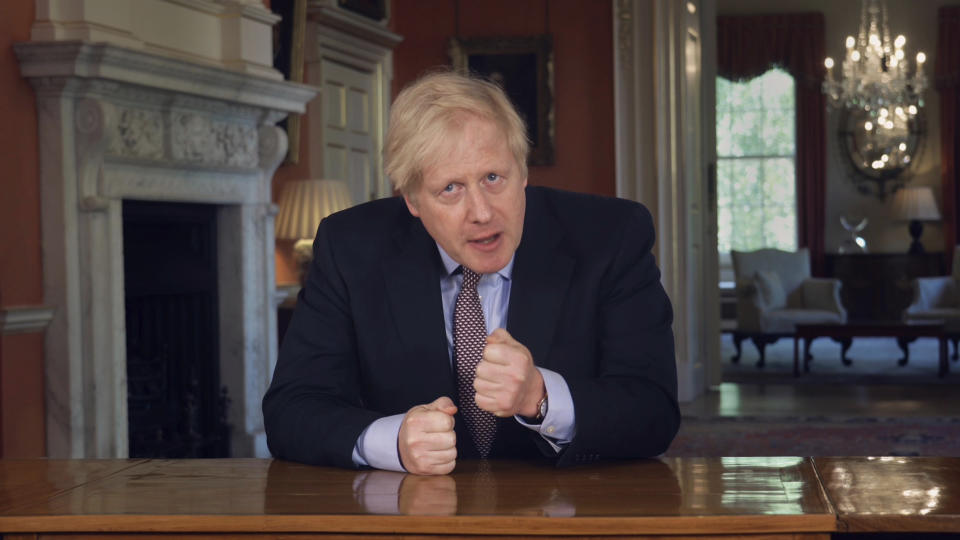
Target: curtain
[[748, 46], [948, 84]]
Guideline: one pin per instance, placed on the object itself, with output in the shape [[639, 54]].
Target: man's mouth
[[486, 240]]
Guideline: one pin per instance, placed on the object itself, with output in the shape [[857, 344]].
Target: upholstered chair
[[938, 299], [775, 292]]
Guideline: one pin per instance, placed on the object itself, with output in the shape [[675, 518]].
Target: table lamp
[[303, 203], [915, 204]]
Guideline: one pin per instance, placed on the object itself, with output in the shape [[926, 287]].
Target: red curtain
[[748, 46], [948, 84]]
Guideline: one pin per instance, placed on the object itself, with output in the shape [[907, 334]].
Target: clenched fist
[[507, 382], [427, 442]]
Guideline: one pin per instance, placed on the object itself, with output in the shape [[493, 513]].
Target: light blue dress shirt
[[377, 445]]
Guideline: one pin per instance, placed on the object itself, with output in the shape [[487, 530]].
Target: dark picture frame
[[523, 67], [288, 49]]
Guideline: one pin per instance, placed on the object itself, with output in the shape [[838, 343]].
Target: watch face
[[543, 407]]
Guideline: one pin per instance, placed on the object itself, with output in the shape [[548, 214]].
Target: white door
[[349, 133]]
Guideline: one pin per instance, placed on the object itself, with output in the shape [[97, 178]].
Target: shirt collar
[[451, 265]]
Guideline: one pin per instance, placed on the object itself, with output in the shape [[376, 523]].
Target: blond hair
[[429, 110]]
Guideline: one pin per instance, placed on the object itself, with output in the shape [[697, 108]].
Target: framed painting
[[523, 67], [288, 43]]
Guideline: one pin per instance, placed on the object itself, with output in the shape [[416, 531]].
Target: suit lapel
[[412, 280], [541, 278]]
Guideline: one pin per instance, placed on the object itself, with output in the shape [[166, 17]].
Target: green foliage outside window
[[756, 163]]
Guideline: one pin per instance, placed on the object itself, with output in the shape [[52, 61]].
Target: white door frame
[[662, 138]]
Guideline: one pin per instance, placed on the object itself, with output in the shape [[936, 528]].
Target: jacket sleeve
[[312, 411], [629, 408]]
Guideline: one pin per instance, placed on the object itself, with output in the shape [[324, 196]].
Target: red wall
[[583, 76], [21, 357], [286, 269]]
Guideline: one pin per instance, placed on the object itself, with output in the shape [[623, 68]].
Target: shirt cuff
[[378, 492], [559, 425], [377, 445]]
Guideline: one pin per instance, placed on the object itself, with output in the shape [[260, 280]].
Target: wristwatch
[[541, 408]]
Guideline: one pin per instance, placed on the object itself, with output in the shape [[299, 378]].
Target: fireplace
[[119, 125], [176, 407]]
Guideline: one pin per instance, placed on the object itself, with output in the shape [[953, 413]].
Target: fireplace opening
[[176, 407]]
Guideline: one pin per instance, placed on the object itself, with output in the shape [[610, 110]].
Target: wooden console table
[[773, 497], [844, 333], [877, 286]]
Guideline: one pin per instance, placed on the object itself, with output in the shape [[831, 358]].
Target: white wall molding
[[118, 124], [24, 319]]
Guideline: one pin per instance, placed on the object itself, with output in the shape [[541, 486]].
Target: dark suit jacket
[[367, 338]]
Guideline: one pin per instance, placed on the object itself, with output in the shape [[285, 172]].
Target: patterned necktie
[[469, 339]]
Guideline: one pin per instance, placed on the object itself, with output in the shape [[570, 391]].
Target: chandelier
[[879, 95]]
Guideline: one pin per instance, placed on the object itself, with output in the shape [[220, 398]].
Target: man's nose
[[478, 206]]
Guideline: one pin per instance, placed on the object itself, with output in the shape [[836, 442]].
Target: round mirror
[[880, 145]]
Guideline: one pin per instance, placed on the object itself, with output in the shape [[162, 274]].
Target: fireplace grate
[[175, 405]]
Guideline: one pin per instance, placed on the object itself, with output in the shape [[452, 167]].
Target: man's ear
[[411, 204]]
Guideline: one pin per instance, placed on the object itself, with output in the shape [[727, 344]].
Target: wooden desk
[[893, 494], [694, 497]]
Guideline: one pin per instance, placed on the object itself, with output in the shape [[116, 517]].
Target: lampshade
[[915, 203], [303, 203]]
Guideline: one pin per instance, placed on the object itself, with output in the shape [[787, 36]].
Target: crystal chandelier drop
[[880, 95]]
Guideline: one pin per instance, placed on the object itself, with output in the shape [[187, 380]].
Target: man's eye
[[493, 177], [449, 188]]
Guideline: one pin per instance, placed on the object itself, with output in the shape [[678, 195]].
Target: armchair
[[775, 292], [938, 298]]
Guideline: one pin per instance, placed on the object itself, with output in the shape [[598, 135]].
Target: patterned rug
[[817, 437], [874, 362]]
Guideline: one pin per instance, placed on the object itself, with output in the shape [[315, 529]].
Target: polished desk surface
[[665, 496], [916, 494]]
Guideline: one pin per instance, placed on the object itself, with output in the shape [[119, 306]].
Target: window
[[756, 155]]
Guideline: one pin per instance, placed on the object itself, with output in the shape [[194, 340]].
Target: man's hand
[[507, 382], [427, 442]]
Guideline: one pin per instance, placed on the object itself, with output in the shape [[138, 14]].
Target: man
[[474, 316]]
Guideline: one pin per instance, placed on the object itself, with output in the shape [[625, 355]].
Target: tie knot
[[470, 278]]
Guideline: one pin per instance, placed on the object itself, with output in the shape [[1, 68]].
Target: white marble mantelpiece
[[232, 34], [118, 123]]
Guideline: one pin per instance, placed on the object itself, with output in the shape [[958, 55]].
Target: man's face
[[472, 199]]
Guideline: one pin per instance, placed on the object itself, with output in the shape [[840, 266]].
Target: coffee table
[[844, 333]]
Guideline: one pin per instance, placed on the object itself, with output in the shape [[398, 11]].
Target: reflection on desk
[[917, 494]]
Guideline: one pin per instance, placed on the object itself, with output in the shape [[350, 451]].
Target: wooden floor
[[835, 401]]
